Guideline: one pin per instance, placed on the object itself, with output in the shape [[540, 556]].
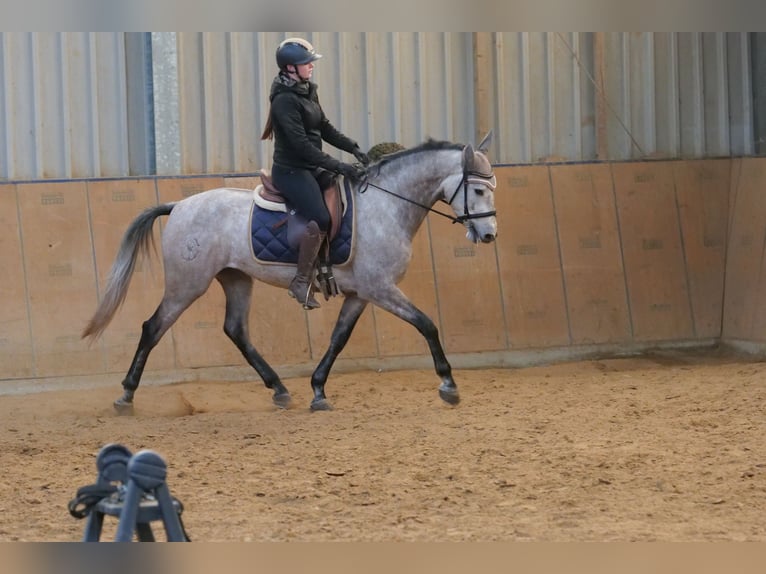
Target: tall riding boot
[[302, 284]]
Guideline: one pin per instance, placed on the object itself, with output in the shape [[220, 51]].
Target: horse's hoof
[[449, 395], [282, 400], [321, 405], [123, 407]]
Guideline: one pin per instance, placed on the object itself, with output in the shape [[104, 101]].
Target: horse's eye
[[479, 191]]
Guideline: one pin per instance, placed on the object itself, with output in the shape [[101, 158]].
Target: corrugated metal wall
[[64, 105], [116, 104], [585, 96], [758, 58], [373, 86]]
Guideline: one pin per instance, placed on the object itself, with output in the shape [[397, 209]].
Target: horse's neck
[[403, 219], [420, 184]]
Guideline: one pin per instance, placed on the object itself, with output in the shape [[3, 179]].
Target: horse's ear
[[468, 158], [484, 145]]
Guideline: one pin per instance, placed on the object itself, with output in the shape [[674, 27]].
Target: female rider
[[298, 125]]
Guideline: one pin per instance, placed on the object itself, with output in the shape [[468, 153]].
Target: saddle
[[268, 197]]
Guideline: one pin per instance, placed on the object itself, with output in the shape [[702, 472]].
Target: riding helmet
[[295, 51]]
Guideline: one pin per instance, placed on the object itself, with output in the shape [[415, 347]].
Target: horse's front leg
[[397, 303], [350, 312]]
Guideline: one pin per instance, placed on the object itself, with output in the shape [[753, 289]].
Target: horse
[[390, 202]]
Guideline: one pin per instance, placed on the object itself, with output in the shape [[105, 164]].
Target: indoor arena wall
[[590, 258]]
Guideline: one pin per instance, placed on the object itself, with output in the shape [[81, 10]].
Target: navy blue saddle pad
[[269, 235]]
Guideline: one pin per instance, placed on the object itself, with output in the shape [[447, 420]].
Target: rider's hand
[[355, 172], [360, 156]]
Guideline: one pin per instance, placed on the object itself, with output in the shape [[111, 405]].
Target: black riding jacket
[[300, 125]]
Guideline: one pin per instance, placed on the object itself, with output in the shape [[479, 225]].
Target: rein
[[487, 179]]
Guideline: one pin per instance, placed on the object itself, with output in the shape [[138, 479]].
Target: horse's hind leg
[[151, 332], [238, 288], [350, 312]]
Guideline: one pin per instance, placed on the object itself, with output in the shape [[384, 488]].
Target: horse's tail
[[137, 240]]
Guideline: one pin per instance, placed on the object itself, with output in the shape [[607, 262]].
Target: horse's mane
[[429, 145]]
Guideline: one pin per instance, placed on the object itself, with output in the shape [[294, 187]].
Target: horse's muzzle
[[486, 235]]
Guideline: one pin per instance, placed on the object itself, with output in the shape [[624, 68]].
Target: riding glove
[[360, 156], [352, 171]]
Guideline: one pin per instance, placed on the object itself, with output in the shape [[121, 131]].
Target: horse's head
[[472, 193]]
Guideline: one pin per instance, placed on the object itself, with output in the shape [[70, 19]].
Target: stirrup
[[308, 302]]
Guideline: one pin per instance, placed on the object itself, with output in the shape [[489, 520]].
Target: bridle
[[469, 177], [476, 178]]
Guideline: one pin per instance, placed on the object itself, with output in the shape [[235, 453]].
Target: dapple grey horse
[[207, 236]]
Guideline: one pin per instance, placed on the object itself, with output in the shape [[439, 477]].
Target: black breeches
[[300, 188]]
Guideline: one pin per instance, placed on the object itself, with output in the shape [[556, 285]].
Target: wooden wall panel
[[321, 322], [586, 254], [758, 289], [113, 206], [178, 188], [198, 333], [736, 173], [16, 358], [732, 316], [744, 259], [58, 257], [528, 259], [468, 292], [758, 330], [278, 326], [652, 251], [702, 189], [242, 182], [590, 253]]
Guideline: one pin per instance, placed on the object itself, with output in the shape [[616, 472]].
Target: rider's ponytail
[[268, 131]]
